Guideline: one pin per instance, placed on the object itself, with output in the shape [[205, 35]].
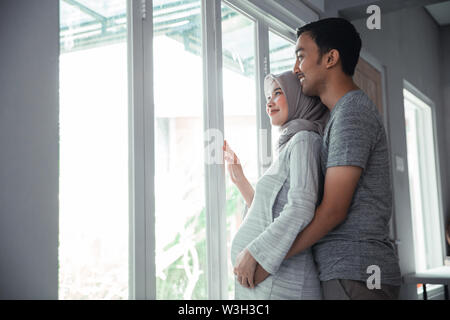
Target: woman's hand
[[233, 164], [237, 174], [245, 269], [248, 271]]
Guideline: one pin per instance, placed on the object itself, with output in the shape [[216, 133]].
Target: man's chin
[[306, 91]]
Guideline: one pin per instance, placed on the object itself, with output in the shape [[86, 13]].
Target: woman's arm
[[237, 174], [247, 191]]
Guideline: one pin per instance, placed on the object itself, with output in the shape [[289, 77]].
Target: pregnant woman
[[284, 199]]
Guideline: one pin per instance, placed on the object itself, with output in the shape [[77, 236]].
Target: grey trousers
[[344, 289]]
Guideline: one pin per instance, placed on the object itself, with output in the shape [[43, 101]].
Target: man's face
[[308, 65]]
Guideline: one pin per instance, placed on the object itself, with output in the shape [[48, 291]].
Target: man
[[350, 229]]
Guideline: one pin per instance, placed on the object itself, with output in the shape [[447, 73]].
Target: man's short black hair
[[339, 34]]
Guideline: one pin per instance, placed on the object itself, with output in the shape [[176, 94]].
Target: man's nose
[[296, 69]]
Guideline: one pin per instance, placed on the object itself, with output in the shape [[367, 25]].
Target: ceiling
[[440, 12]]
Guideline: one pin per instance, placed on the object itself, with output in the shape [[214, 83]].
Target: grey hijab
[[304, 112]]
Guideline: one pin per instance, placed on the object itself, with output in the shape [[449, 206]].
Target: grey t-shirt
[[355, 136]]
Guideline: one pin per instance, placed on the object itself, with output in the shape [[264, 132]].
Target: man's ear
[[332, 58]]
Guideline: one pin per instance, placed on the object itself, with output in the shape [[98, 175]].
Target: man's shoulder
[[356, 103], [357, 108]]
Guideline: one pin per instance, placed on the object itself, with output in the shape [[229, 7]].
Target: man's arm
[[340, 185]]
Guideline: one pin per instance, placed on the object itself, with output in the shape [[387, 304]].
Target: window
[[119, 123], [239, 94], [179, 166], [93, 198], [423, 182], [282, 53]]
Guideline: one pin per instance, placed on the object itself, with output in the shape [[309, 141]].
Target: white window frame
[[278, 16], [214, 173], [142, 267], [412, 93]]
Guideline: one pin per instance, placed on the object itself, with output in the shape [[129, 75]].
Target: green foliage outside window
[[180, 275]]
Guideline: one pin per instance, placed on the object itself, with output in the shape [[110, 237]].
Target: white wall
[[332, 7], [316, 5], [29, 38]]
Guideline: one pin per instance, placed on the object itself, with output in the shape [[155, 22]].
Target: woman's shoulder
[[308, 137]]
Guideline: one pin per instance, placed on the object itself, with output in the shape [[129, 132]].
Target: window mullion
[[263, 126], [142, 283], [214, 128]]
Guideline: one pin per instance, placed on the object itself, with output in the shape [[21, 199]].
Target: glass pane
[[282, 53], [239, 89], [282, 58], [93, 197], [179, 179]]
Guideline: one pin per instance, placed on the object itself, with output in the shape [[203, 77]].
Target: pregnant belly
[[248, 231]]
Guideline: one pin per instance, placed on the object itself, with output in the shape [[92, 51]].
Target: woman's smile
[[272, 112]]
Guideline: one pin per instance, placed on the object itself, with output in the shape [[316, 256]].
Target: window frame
[[142, 276], [414, 94], [142, 267], [213, 117]]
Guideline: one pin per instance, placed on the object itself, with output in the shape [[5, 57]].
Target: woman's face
[[277, 107]]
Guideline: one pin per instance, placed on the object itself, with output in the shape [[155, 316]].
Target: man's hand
[[245, 269], [260, 274]]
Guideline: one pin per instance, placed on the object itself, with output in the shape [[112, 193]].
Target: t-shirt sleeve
[[352, 137]]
